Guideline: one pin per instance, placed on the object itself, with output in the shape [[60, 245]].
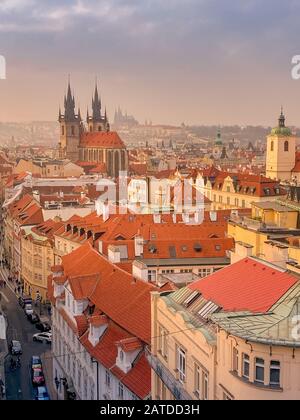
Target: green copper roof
[[281, 131]]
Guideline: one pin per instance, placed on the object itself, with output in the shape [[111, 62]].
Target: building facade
[[230, 336]]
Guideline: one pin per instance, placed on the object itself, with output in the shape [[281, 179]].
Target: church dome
[[281, 130]]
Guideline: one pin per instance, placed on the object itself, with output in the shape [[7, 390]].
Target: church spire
[[96, 105], [69, 105], [281, 121]]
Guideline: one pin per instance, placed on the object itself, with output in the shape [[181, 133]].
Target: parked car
[[33, 318], [45, 337], [36, 362], [28, 309], [15, 347], [43, 326], [42, 394], [38, 377], [25, 300]]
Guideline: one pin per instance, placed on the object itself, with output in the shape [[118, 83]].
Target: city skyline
[[197, 62]]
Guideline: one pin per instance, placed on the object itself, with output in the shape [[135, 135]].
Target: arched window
[[272, 146], [286, 146], [72, 130]]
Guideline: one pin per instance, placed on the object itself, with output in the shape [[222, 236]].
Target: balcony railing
[[170, 381]]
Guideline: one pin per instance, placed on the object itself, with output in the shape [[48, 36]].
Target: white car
[[45, 337]]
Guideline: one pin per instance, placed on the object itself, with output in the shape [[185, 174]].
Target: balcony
[[170, 381]]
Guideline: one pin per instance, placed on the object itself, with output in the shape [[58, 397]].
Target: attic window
[[152, 249], [277, 190], [184, 248], [172, 251], [253, 189], [120, 238], [218, 247], [267, 191], [213, 236], [197, 247]]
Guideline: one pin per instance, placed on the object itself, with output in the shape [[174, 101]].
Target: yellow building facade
[[223, 355], [37, 251]]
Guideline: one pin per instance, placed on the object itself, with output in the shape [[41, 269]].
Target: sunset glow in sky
[[197, 61]]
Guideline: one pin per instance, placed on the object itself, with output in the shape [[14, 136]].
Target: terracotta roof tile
[[102, 140], [248, 285]]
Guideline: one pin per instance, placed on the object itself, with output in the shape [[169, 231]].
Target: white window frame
[[246, 361], [259, 364], [181, 364]]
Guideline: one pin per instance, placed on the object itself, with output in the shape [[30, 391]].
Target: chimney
[[276, 253], [213, 216], [157, 218], [186, 218], [138, 246], [105, 212], [242, 250], [36, 195], [114, 254]]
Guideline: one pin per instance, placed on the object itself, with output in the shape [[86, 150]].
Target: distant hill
[[36, 132]]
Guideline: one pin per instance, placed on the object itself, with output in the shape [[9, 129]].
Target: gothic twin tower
[[93, 142]]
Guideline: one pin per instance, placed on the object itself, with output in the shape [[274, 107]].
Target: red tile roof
[[248, 285], [138, 379], [130, 344], [102, 140]]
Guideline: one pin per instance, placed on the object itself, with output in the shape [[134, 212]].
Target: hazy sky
[[197, 61]]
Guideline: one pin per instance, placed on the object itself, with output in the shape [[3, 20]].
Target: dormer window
[[121, 356]]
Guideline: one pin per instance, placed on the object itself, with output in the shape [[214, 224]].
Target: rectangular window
[[204, 272], [235, 360], [205, 386], [246, 366], [228, 201], [259, 370], [275, 373], [181, 364], [107, 378], [197, 380], [151, 275], [121, 391], [163, 345]]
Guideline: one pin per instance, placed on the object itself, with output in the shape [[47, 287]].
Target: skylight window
[[191, 299], [208, 309]]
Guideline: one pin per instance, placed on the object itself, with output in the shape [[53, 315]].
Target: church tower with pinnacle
[[281, 151], [97, 122], [71, 128]]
